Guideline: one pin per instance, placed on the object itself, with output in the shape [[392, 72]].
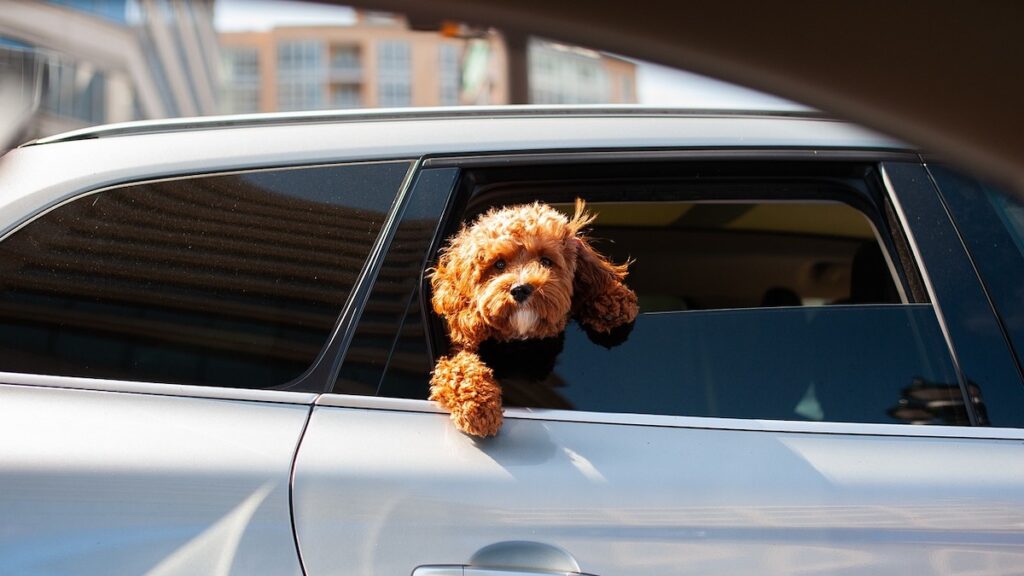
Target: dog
[[517, 273]]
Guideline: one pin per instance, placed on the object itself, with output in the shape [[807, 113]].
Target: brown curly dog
[[516, 273]]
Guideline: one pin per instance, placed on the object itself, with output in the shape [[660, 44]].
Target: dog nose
[[521, 292]]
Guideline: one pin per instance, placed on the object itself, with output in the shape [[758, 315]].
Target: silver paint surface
[[100, 483], [381, 491]]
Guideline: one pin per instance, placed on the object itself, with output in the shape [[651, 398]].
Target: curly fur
[[529, 245]]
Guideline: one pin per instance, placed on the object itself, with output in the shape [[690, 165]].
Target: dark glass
[[991, 222], [233, 280], [410, 365], [391, 323], [869, 363], [987, 365]]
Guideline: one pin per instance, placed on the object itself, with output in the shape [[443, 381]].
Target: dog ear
[[451, 283], [601, 301]]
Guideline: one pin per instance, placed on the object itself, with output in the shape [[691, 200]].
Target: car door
[[160, 341], [712, 441]]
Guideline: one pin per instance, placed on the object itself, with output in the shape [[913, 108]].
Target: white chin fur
[[523, 321]]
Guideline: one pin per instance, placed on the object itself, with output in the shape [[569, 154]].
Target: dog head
[[513, 273]]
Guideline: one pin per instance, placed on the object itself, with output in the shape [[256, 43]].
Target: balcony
[[346, 66], [345, 74]]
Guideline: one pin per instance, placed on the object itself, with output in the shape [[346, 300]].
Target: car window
[[991, 222], [843, 364], [391, 330], [225, 280], [785, 300]]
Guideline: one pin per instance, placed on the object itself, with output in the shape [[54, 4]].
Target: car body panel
[[159, 389], [31, 180], [381, 491], [123, 483]]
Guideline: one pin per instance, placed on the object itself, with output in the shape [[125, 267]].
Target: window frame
[[897, 223], [317, 377]]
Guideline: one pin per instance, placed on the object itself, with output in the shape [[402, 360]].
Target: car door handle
[[514, 558]]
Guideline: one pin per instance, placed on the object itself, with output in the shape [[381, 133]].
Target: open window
[[766, 290]]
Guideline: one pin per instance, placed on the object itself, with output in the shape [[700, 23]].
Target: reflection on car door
[[384, 486], [105, 482]]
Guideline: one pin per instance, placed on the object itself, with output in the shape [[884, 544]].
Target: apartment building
[[379, 62]]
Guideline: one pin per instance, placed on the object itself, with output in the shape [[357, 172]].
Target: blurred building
[[114, 60], [375, 62], [87, 62], [379, 62], [562, 74]]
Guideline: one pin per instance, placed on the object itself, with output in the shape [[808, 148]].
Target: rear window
[[230, 280]]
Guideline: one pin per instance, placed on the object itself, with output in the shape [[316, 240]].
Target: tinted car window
[[840, 364], [992, 225], [229, 280], [390, 332]]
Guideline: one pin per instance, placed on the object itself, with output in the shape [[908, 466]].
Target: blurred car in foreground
[[216, 350]]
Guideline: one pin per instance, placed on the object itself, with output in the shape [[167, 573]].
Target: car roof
[[50, 170], [493, 113]]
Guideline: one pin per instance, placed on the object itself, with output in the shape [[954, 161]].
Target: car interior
[[706, 238]]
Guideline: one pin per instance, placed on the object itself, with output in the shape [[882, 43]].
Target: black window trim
[[578, 156]]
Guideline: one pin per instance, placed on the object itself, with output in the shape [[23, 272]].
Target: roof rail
[[404, 114]]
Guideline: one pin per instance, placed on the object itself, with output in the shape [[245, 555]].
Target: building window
[[300, 76], [449, 76], [241, 80], [346, 96], [345, 57], [394, 74], [565, 75]]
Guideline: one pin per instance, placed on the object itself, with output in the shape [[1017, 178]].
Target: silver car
[[216, 342]]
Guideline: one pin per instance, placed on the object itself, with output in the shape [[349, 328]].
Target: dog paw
[[608, 310], [465, 387], [611, 338], [478, 419]]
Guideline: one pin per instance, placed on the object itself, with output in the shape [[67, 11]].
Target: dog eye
[[546, 262], [499, 265]]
